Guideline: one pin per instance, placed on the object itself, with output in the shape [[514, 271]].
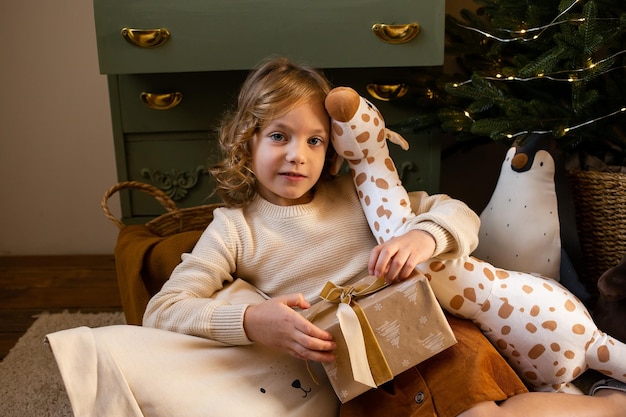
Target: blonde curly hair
[[275, 87]]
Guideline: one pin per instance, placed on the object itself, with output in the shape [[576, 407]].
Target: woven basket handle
[[159, 195]]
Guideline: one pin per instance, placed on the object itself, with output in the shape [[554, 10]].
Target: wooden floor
[[30, 285]]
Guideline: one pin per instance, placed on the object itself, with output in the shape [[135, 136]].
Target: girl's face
[[288, 154]]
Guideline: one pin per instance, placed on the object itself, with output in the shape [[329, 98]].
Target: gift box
[[380, 331]]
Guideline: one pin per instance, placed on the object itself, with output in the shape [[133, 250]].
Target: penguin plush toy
[[529, 223]]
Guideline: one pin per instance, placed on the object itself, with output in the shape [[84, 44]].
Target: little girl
[[289, 227]]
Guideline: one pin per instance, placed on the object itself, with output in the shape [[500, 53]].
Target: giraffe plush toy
[[543, 330]]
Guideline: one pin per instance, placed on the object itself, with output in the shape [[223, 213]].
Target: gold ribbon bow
[[368, 362]]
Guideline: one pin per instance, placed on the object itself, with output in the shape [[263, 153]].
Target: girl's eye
[[316, 141], [277, 137]]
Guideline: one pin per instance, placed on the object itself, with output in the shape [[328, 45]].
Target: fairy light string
[[568, 76]]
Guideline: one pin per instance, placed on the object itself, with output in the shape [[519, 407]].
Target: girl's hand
[[275, 324], [397, 258]]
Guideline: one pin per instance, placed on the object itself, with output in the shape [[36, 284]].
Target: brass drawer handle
[[387, 92], [161, 101], [146, 38], [396, 34]]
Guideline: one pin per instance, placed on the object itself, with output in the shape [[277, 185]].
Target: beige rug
[[30, 383]]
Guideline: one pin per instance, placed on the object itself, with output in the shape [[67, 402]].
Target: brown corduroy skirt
[[470, 372]]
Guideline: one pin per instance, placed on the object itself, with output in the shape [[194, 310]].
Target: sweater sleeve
[[451, 222], [188, 302]]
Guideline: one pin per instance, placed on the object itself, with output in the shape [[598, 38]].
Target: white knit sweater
[[290, 249]]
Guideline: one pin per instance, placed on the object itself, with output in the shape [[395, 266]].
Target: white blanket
[[135, 371]]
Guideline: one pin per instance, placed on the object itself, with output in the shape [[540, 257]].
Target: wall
[[56, 144]]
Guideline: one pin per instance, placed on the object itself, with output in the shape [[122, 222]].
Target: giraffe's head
[[358, 129]]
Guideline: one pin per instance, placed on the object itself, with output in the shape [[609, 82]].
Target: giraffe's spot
[[549, 325], [437, 266], [337, 129], [365, 117], [501, 343], [578, 329], [505, 311], [488, 274], [468, 266], [360, 179], [536, 351], [382, 212], [577, 371], [381, 136], [367, 200], [560, 372], [502, 274], [404, 203], [385, 200], [535, 310], [377, 226], [604, 355], [548, 287], [505, 330], [486, 306], [527, 289], [381, 183], [363, 137], [470, 294], [389, 164], [531, 328], [570, 306], [569, 354], [456, 302], [530, 375], [555, 347]]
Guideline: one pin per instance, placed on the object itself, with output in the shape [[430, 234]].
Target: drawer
[[174, 163], [204, 96], [198, 100], [234, 35]]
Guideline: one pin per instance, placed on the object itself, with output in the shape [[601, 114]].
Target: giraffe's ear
[[397, 139], [335, 164]]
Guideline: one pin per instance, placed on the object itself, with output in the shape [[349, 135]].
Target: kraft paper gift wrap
[[406, 326]]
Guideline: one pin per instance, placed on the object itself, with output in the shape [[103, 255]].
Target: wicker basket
[[174, 221], [600, 203]]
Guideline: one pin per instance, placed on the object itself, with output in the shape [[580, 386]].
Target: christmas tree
[[540, 66]]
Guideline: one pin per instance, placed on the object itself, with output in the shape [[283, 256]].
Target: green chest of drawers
[[174, 66]]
